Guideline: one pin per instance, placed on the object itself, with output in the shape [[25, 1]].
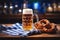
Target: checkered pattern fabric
[[17, 29]]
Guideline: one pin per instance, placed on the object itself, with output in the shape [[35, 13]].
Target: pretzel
[[44, 26], [44, 22], [38, 25], [49, 27]]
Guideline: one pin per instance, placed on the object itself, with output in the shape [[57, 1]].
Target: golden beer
[[27, 19]]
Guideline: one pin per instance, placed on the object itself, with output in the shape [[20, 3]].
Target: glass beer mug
[[27, 19]]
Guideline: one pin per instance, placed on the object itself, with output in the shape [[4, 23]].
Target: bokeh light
[[11, 7], [16, 5], [36, 5]]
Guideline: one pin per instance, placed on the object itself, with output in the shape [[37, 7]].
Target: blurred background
[[11, 10]]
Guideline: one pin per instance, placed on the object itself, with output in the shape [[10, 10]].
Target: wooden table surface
[[34, 36]]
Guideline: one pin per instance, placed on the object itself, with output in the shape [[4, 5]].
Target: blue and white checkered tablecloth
[[17, 29]]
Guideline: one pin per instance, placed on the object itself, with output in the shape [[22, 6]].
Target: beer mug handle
[[37, 18]]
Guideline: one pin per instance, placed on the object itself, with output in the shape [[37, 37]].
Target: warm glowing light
[[49, 8], [54, 5], [58, 6]]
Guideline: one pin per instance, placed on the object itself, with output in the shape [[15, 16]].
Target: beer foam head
[[27, 11]]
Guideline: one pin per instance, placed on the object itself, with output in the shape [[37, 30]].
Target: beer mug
[[27, 19]]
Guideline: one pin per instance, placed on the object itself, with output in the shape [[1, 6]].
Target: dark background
[[53, 17]]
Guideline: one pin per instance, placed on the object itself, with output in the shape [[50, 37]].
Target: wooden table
[[38, 36]]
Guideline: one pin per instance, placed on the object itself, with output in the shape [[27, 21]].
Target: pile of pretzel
[[44, 25]]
